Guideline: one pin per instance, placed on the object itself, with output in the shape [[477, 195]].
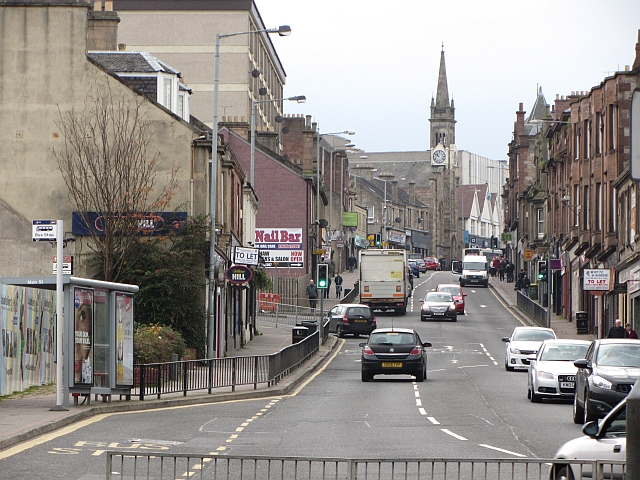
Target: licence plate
[[361, 320], [391, 364], [438, 313], [567, 385]]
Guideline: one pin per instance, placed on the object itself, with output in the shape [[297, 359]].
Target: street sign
[[555, 264], [246, 256], [67, 265], [44, 230], [528, 254], [238, 274]]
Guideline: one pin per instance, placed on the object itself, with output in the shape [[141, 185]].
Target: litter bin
[[299, 333], [582, 322], [533, 291], [311, 326]]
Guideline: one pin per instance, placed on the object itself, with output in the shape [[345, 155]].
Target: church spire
[[442, 94]]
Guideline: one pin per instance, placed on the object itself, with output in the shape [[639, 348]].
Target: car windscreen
[[563, 353], [364, 311], [452, 290], [474, 266], [392, 338], [532, 335], [438, 297], [619, 355]]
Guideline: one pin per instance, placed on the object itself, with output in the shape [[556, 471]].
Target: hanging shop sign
[[596, 279], [239, 274]]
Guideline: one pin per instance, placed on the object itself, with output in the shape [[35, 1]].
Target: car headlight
[[515, 351], [547, 375], [600, 382], [425, 308]]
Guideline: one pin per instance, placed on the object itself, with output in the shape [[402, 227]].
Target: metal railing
[[191, 375], [533, 309], [160, 466]]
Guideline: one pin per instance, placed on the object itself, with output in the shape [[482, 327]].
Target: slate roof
[[405, 166], [132, 62], [377, 187], [465, 198]]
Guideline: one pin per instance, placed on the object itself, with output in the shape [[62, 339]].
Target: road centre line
[[501, 450], [454, 435], [433, 420]]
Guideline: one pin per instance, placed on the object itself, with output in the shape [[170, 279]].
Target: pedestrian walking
[[509, 269], [326, 290], [501, 268], [524, 284], [338, 282], [312, 293], [631, 333], [351, 263], [617, 331]]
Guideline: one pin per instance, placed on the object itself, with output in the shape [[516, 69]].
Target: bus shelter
[[97, 334]]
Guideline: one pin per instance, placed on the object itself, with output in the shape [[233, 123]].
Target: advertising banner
[[149, 224], [124, 339], [350, 219], [597, 279], [31, 337], [83, 336], [12, 309], [280, 245]]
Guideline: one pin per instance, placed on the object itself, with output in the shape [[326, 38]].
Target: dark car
[[604, 377], [415, 268], [438, 305], [351, 318], [394, 351]]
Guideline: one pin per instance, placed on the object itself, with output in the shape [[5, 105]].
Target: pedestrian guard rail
[[121, 465], [157, 379], [533, 309]]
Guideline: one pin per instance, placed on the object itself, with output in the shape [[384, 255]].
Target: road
[[469, 406]]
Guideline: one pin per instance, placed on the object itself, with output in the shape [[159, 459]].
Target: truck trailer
[[384, 280]]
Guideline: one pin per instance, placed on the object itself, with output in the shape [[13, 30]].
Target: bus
[[470, 251], [491, 253]]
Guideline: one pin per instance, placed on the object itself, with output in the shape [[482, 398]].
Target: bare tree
[[107, 170]]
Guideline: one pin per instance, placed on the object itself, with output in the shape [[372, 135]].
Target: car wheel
[[455, 318], [535, 398], [339, 331], [562, 472], [422, 319], [402, 311], [420, 376], [589, 416], [578, 411], [507, 367], [366, 377], [528, 393]]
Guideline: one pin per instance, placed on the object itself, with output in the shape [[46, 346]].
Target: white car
[[552, 373], [524, 342], [606, 442]]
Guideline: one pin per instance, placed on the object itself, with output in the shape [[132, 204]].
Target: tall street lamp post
[[299, 99], [212, 349]]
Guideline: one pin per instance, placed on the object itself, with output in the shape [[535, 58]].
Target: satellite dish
[[285, 130], [323, 223], [398, 219], [262, 90], [279, 118], [255, 73]]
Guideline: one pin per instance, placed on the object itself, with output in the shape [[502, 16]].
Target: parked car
[[431, 263], [523, 342], [421, 265], [604, 377], [415, 268], [458, 295], [438, 305], [606, 441], [351, 319], [552, 373], [393, 351]]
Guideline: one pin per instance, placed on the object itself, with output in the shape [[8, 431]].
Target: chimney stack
[[102, 27]]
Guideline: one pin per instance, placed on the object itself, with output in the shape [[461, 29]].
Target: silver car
[[524, 342], [552, 373]]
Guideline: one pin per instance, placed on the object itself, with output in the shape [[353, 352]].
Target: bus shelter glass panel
[[83, 301]]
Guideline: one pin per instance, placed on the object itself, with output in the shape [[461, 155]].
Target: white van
[[475, 271]]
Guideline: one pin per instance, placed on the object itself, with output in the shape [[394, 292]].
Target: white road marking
[[454, 435], [417, 394], [501, 450], [433, 420], [418, 402], [483, 306], [422, 411]]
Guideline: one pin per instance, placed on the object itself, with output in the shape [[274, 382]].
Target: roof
[[377, 187], [466, 193], [132, 62]]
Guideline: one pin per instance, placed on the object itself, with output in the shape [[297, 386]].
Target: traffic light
[[378, 240], [494, 242], [542, 270], [323, 275]]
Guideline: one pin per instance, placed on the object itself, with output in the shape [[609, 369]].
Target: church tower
[[442, 122]]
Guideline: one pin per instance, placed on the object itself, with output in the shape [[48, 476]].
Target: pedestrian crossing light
[[323, 275], [378, 240], [494, 242], [542, 270]]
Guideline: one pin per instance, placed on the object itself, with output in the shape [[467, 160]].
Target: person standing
[[351, 263], [338, 282], [501, 268], [312, 293], [630, 332], [617, 331], [509, 269], [524, 283], [325, 291]]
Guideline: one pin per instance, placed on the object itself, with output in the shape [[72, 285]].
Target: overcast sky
[[372, 66]]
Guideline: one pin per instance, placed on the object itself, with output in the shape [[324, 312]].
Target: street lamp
[[283, 31], [299, 99]]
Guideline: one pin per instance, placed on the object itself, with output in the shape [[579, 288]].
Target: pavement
[[26, 415]]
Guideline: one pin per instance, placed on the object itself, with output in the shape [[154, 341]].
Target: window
[[576, 208], [167, 93], [576, 134], [586, 134], [370, 215], [611, 127], [483, 229], [585, 207], [181, 111], [540, 223], [598, 206], [612, 209], [598, 136]]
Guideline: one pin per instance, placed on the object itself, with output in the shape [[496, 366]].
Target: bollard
[[173, 367]]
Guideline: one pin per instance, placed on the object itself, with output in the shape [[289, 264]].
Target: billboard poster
[[83, 336], [124, 339], [30, 338], [281, 247], [597, 279], [47, 338], [12, 309]]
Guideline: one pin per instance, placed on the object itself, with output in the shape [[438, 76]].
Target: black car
[[605, 376], [351, 318], [438, 305], [394, 351]]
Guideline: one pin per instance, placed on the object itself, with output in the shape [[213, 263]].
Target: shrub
[[156, 344]]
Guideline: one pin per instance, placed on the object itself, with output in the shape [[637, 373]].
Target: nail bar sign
[[239, 274]]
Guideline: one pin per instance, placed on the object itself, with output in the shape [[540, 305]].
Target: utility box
[[299, 333], [533, 291], [582, 322]]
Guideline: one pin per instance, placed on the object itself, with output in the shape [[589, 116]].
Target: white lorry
[[384, 280]]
